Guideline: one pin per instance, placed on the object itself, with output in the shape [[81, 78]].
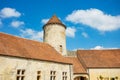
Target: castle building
[[23, 59], [54, 34]]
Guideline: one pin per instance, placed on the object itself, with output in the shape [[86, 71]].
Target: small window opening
[[112, 79], [20, 74], [38, 75], [53, 75], [64, 75], [61, 49]]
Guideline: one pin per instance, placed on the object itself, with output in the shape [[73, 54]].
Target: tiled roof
[[54, 20], [20, 47], [100, 58], [77, 66]]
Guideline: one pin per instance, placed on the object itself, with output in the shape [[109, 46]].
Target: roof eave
[[36, 59], [53, 24]]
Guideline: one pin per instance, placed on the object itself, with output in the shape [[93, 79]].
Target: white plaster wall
[[54, 34], [9, 66], [94, 74]]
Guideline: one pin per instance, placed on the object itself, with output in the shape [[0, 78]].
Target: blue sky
[[91, 24]]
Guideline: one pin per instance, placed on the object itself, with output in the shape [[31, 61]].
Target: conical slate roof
[[54, 20]]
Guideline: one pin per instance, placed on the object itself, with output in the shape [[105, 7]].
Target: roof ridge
[[18, 37], [15, 36], [99, 49]]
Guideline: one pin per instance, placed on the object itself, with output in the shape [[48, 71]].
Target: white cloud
[[98, 47], [96, 19], [0, 22], [70, 32], [101, 48], [32, 34], [9, 12], [44, 21], [17, 24], [84, 34]]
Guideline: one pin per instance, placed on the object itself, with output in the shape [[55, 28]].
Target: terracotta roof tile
[[20, 47], [100, 58], [77, 65], [54, 20]]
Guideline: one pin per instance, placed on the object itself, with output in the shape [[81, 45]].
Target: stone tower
[[54, 34]]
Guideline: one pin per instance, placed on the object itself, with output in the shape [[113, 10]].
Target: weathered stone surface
[[10, 65], [54, 34], [71, 53]]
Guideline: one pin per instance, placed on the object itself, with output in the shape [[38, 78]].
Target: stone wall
[[10, 65], [104, 74], [54, 34], [71, 53]]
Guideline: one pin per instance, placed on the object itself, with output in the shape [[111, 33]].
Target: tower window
[[61, 49]]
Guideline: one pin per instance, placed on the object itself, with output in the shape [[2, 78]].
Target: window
[[112, 79], [61, 49], [64, 74], [20, 74], [52, 75], [38, 75]]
